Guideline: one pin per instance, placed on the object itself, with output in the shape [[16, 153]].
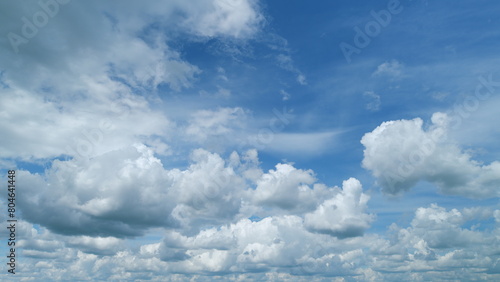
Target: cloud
[[282, 246], [286, 62], [106, 45], [247, 246], [208, 123], [374, 101], [285, 95], [392, 69], [98, 246], [301, 79], [125, 188], [441, 229], [109, 195], [102, 68], [286, 188], [344, 214], [436, 240], [440, 95], [401, 153], [238, 19], [57, 127]]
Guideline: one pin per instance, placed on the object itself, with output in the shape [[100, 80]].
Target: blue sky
[[220, 140]]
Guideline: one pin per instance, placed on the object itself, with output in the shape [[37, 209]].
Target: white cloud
[[441, 229], [285, 95], [57, 57], [97, 246], [220, 122], [440, 95], [401, 153], [95, 61], [497, 216], [286, 62], [112, 210], [286, 188], [238, 19], [251, 246], [437, 243], [344, 214], [53, 128], [121, 193], [86, 68], [281, 246], [302, 79], [392, 69], [374, 101]]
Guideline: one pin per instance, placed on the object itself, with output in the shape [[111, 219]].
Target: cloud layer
[[145, 151]]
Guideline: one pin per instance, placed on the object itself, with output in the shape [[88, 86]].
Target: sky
[[251, 140]]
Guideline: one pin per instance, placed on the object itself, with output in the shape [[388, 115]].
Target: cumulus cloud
[[99, 70], [401, 153], [97, 246], [256, 246], [286, 188], [121, 194], [106, 46], [86, 68], [440, 228], [239, 19], [437, 239], [104, 196], [126, 192], [344, 214], [112, 201], [54, 128]]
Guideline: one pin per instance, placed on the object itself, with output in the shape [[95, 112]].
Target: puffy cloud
[[105, 45], [401, 153], [105, 209], [54, 128], [89, 204], [275, 242], [435, 245], [125, 192], [437, 240], [90, 56], [237, 19], [441, 229], [97, 246], [286, 188], [119, 194], [344, 214]]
